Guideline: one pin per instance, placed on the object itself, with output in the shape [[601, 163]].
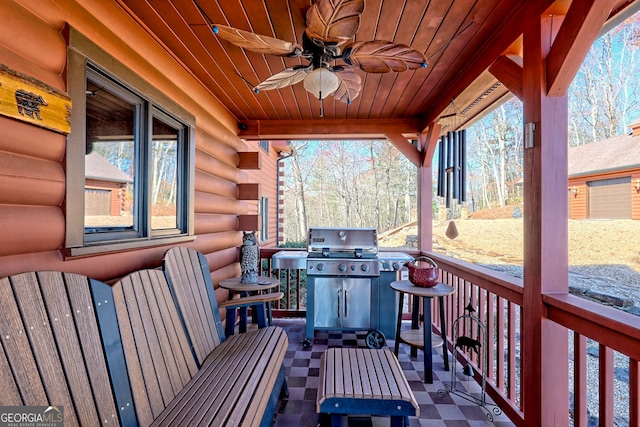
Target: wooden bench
[[364, 382], [123, 355], [237, 384]]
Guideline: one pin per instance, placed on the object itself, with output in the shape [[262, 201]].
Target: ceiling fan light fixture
[[321, 82]]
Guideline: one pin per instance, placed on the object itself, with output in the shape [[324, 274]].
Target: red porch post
[[428, 142], [544, 344]]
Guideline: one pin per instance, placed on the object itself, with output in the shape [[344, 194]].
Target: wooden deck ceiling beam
[[398, 132]]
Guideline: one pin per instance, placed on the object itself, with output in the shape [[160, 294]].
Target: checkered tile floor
[[302, 368]]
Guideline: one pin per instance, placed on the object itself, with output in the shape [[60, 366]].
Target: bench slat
[[18, 350], [338, 376], [10, 395], [347, 374]]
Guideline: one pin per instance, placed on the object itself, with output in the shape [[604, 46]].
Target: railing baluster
[[500, 380], [511, 343], [298, 289], [580, 380], [634, 392], [491, 331], [605, 386]]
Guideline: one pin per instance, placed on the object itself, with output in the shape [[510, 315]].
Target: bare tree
[[603, 99]]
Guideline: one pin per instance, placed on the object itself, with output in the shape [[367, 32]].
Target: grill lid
[[340, 242]]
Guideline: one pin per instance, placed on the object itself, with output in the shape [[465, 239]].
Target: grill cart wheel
[[375, 339]]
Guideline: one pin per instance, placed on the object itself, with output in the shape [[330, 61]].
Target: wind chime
[[470, 337]]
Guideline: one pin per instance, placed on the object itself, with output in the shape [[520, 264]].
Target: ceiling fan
[[330, 25]]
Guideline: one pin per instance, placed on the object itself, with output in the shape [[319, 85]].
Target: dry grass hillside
[[495, 237]]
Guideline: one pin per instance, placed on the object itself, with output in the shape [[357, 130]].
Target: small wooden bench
[[356, 381]]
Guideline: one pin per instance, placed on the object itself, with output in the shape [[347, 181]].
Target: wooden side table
[[234, 285], [413, 337]]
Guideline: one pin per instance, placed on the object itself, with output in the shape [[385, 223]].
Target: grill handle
[[346, 303], [338, 302]]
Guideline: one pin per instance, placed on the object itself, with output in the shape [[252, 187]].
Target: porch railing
[[604, 342]]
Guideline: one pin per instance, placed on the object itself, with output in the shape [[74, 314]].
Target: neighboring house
[[604, 178], [105, 186]]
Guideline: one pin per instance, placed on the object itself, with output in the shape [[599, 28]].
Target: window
[[264, 145], [130, 160], [264, 219]]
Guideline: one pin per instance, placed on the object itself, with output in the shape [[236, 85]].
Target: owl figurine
[[249, 258]]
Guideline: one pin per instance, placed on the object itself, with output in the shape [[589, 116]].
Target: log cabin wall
[[32, 159], [268, 188]]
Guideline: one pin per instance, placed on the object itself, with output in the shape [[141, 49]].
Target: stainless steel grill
[[344, 288]]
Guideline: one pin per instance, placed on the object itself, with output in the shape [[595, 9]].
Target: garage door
[[610, 198], [97, 202]]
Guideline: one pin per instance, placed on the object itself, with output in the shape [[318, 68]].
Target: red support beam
[[327, 129], [428, 142], [580, 28], [544, 343], [509, 73], [404, 146]]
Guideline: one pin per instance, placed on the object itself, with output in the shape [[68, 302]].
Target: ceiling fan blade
[[334, 21], [256, 42], [379, 56], [350, 85], [286, 77]]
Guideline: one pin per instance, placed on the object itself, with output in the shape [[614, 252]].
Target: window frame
[[264, 218], [82, 56]]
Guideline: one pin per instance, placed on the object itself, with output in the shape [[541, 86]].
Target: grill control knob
[[396, 265], [385, 265], [353, 267], [320, 266], [364, 267], [342, 268]]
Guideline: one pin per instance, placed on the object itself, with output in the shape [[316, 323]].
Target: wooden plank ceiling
[[460, 38]]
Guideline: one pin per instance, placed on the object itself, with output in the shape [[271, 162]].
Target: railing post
[[544, 343]]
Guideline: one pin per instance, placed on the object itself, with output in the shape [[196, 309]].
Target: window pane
[[164, 168], [110, 161]]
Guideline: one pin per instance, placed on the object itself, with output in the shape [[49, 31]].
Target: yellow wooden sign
[[27, 99]]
